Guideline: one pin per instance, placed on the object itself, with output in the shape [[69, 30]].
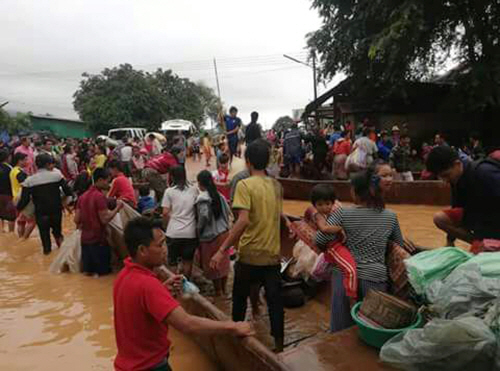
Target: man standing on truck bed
[[232, 123]]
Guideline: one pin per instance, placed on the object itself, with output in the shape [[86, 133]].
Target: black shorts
[[96, 259], [181, 248]]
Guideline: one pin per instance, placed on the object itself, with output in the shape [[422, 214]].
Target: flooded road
[[57, 322]]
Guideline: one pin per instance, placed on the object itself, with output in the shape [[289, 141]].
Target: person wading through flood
[[144, 307], [213, 218], [91, 217], [44, 187], [259, 240], [180, 218], [475, 212]]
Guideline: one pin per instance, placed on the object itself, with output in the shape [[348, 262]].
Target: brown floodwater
[[56, 322]]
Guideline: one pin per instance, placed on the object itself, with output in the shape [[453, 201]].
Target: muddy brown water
[[56, 322]]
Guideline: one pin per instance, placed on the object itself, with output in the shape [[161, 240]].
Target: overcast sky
[[45, 45]]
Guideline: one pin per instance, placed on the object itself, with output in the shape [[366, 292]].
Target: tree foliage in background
[[122, 96], [14, 124], [283, 123], [384, 43]]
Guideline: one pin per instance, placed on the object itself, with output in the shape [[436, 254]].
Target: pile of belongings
[[381, 310], [462, 290]]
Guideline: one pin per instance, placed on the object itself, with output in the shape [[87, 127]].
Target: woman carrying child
[[213, 225], [369, 227]]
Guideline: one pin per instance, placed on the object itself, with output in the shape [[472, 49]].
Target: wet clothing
[[5, 185], [268, 276], [45, 189], [89, 205], [141, 305], [17, 176]]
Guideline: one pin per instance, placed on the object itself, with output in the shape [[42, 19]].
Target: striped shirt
[[368, 233]]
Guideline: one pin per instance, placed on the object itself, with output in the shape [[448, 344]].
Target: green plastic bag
[[428, 266], [489, 263]]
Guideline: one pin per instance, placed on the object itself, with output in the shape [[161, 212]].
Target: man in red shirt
[[121, 187], [154, 170], [91, 217], [144, 306]]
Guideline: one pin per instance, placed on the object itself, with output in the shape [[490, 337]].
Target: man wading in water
[[144, 307], [259, 203]]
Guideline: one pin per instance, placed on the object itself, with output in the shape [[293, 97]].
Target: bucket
[[377, 337]]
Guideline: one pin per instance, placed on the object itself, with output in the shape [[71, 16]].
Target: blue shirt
[[146, 203], [231, 124], [334, 137]]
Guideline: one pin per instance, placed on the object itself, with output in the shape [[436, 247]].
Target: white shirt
[[182, 222], [126, 153]]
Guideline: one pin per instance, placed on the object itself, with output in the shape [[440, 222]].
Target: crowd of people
[[210, 217]]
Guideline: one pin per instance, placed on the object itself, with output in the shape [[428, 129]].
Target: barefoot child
[[207, 148], [323, 199]]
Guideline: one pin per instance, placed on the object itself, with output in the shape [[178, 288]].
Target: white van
[[119, 134]]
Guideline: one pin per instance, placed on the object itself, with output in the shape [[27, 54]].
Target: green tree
[[122, 96], [283, 123], [384, 43], [14, 124]]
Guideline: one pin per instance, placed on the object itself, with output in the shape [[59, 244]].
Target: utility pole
[[218, 88], [308, 65], [314, 77]]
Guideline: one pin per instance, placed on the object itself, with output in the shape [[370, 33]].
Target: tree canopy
[[384, 43], [122, 96], [14, 124], [283, 123]]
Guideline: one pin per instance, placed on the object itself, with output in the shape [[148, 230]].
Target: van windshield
[[119, 134]]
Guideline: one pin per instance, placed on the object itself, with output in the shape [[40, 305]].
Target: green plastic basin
[[376, 337]]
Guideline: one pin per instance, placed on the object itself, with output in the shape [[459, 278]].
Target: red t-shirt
[[122, 189], [89, 204], [222, 177], [141, 304], [162, 163]]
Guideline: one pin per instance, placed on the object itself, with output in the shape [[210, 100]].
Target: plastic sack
[[465, 292], [305, 259], [322, 270], [489, 262], [69, 256], [188, 287], [429, 266], [460, 344]]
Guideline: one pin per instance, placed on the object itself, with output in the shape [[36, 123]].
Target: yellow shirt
[[260, 242], [15, 182], [99, 161]]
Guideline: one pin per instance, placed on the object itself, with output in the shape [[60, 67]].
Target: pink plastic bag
[[322, 270]]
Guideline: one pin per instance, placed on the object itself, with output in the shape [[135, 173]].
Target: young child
[[221, 176], [207, 148], [146, 204], [323, 199]]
